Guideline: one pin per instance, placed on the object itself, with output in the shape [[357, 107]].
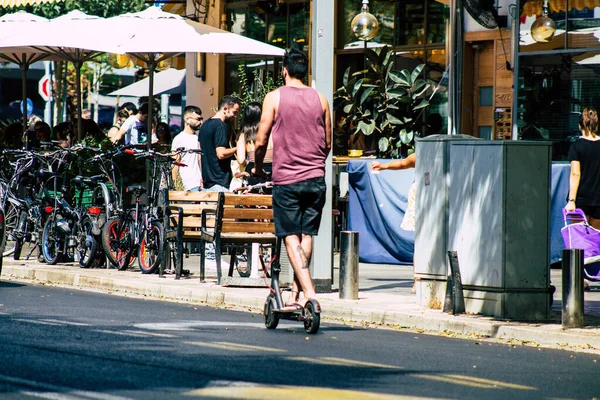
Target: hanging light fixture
[[364, 25], [119, 61], [543, 28]]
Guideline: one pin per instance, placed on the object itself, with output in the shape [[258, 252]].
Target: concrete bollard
[[349, 265], [572, 288]]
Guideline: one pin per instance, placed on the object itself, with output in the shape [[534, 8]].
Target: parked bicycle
[[139, 231]]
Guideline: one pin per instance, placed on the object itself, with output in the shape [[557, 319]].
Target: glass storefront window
[[384, 12], [553, 89], [256, 23], [437, 14], [299, 25], [583, 27], [401, 23], [410, 23], [237, 20]]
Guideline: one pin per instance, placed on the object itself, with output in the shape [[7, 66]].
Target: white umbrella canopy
[[157, 35], [75, 37], [167, 82], [16, 3], [156, 31], [10, 24]]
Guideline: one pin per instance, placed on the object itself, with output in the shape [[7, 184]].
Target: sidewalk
[[384, 299]]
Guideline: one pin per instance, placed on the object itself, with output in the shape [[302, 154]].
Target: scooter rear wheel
[[271, 319], [312, 316]]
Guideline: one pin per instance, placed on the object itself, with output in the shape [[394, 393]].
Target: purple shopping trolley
[[578, 234]]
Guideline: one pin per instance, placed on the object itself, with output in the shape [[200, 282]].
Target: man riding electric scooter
[[299, 119]]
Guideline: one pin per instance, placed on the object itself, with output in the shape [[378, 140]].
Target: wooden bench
[[182, 222], [240, 219]]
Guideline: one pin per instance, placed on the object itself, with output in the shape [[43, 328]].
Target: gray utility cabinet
[[498, 220]]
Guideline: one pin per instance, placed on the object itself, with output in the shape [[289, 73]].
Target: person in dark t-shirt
[[584, 182], [214, 142]]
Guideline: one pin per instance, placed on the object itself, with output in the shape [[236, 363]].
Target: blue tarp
[[559, 192], [376, 206], [377, 203]]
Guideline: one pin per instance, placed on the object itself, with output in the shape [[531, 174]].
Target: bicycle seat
[[93, 180], [78, 180], [136, 190]]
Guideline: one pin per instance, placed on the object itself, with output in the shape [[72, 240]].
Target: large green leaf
[[406, 76], [348, 108], [396, 93], [416, 72], [419, 87], [393, 120], [406, 136], [383, 144], [357, 87], [398, 77], [424, 103], [365, 94], [346, 76], [366, 128]]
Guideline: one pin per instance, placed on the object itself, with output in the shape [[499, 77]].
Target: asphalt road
[[69, 344]]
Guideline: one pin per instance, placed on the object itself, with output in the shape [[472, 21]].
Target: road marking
[[31, 321], [258, 392], [472, 381], [57, 392], [65, 322], [342, 362], [153, 334], [236, 347], [191, 325], [121, 333]]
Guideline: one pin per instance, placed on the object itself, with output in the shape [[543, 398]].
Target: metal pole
[[349, 265], [572, 288], [78, 64], [24, 68], [321, 55]]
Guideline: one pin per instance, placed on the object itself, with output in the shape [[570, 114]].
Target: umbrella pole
[[151, 68], [24, 67], [77, 65]]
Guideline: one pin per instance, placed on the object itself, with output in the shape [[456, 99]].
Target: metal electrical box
[[497, 217], [431, 235]]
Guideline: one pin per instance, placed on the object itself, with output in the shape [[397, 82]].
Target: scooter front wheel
[[271, 319], [312, 316]]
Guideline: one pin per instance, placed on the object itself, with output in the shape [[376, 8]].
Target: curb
[[475, 327]]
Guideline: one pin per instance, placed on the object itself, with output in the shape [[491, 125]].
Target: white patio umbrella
[[22, 21], [167, 82], [75, 37], [16, 3], [157, 35]]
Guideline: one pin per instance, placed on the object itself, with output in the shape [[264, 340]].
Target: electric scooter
[[310, 315]]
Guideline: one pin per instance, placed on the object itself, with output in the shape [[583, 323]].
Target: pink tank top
[[298, 136]]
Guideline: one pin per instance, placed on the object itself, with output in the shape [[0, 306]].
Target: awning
[[15, 3], [534, 7]]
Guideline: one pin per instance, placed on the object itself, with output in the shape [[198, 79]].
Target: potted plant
[[383, 103]]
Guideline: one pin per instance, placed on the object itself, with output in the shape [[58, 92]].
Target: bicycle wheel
[[86, 243], [11, 219], [151, 248], [52, 243], [117, 241]]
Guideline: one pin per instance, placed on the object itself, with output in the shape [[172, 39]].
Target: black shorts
[[297, 207], [591, 211]]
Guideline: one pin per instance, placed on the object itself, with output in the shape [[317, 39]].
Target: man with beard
[[191, 174], [216, 151]]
